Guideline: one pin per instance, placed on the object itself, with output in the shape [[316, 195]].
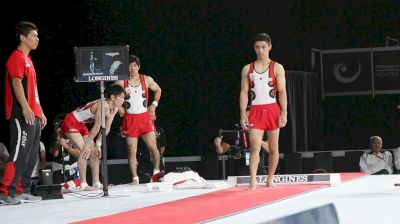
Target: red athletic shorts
[[135, 125], [71, 125], [264, 117]]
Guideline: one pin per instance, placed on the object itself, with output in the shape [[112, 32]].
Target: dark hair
[[113, 90], [58, 119], [24, 28], [134, 58], [262, 37]]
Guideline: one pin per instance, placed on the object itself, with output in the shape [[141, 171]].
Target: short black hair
[[134, 58], [24, 28], [262, 37], [113, 90]]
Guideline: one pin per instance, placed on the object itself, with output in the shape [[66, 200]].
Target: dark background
[[195, 51]]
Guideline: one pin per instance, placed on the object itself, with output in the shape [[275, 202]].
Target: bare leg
[[273, 159], [78, 141], [95, 167], [150, 140], [132, 150], [255, 136]]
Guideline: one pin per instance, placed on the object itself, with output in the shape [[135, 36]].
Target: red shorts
[[71, 125], [135, 125], [264, 117]]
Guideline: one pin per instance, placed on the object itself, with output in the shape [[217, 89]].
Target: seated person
[[223, 147], [377, 161], [65, 156], [236, 145], [396, 155]]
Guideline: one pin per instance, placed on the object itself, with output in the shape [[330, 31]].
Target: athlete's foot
[[253, 185], [270, 184], [135, 180], [86, 187], [97, 186]]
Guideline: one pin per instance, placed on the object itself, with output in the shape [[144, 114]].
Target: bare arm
[[153, 86], [121, 110], [43, 118], [281, 84], [69, 148], [110, 119], [244, 96], [97, 121], [89, 141], [99, 137]]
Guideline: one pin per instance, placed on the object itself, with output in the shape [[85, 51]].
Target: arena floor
[[367, 199]]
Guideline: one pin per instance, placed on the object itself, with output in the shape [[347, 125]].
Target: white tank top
[[84, 114], [262, 87], [136, 102]]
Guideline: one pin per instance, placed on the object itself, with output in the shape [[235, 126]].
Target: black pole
[[63, 163], [104, 169]]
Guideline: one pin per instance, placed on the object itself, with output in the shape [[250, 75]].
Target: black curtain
[[303, 131]]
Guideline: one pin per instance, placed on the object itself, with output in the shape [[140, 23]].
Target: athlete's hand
[[282, 119], [87, 149], [43, 121], [152, 109], [244, 122], [28, 115]]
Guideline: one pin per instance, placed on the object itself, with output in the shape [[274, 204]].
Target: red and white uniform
[[19, 66], [137, 121], [264, 111], [84, 114], [75, 121]]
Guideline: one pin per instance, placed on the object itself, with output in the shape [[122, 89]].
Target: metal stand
[[63, 164], [104, 169], [236, 145], [224, 158]]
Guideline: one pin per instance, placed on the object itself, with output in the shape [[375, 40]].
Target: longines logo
[[104, 78], [285, 179]]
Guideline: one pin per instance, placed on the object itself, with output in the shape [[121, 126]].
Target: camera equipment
[[236, 150]]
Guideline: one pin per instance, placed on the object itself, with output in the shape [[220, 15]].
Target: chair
[[323, 160], [352, 161], [292, 163]]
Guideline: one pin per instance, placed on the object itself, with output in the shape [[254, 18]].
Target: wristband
[[154, 103]]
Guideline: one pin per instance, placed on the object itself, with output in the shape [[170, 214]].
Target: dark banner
[[105, 63], [387, 69], [346, 72]]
